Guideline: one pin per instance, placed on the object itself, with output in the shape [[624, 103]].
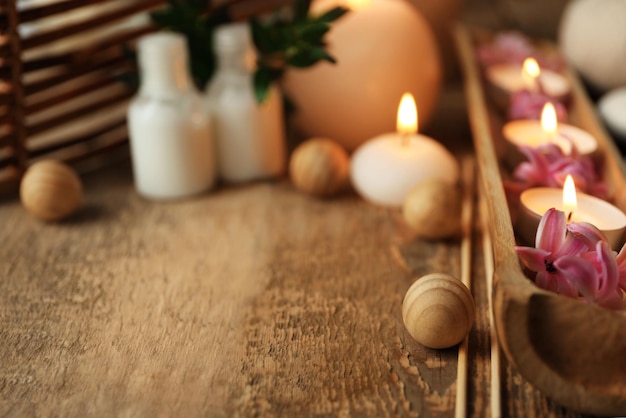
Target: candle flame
[[569, 197], [406, 122], [548, 119], [530, 73], [530, 67]]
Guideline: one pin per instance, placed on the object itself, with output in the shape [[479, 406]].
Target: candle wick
[[569, 216], [534, 84]]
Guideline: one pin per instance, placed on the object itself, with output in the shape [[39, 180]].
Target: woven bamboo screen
[[60, 96], [60, 62]]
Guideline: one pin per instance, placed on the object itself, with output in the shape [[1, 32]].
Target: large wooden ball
[[384, 48], [50, 190], [319, 167], [433, 209], [438, 311]]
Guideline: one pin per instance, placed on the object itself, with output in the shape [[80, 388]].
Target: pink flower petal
[[609, 282], [533, 258], [572, 246], [551, 231], [587, 233], [621, 265], [557, 283], [580, 276]]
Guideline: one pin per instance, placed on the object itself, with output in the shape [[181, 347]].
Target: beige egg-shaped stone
[[433, 209], [438, 310], [592, 36], [50, 190], [612, 109], [319, 167]]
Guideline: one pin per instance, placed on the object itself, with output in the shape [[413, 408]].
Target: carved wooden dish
[[573, 352]]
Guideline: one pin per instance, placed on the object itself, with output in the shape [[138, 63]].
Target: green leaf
[[297, 41], [332, 14], [314, 33], [309, 56], [262, 81], [261, 36]]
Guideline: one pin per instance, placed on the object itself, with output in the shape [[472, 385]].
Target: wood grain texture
[[255, 300], [252, 301]]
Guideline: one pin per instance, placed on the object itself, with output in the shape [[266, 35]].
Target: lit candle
[[534, 133], [530, 73], [577, 206], [385, 168], [505, 79]]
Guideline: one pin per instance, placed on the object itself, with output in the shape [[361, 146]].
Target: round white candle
[[509, 78], [603, 215], [384, 169]]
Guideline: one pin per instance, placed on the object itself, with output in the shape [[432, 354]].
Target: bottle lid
[[161, 49], [232, 37], [163, 60]]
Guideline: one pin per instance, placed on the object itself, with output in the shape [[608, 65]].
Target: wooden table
[[253, 300]]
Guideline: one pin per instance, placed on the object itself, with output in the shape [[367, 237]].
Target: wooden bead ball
[[319, 167], [433, 209], [50, 190], [438, 311]]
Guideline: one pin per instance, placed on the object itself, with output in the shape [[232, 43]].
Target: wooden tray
[[573, 352]]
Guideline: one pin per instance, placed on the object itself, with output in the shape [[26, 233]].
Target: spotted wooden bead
[[319, 167]]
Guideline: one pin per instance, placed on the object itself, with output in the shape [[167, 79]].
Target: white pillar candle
[[505, 79], [535, 203], [384, 169], [534, 133], [530, 133], [510, 78]]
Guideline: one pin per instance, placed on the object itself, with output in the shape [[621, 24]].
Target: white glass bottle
[[250, 137], [169, 126]]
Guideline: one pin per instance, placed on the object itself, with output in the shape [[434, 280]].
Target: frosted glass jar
[[250, 137], [169, 127]]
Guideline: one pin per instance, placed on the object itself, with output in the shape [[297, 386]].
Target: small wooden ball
[[319, 167], [438, 311], [50, 190], [433, 209]]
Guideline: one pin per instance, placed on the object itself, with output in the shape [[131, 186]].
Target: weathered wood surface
[[250, 301]]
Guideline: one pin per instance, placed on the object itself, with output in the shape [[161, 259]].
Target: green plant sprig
[[296, 41]]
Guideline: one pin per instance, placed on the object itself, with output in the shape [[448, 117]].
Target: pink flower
[[574, 260], [514, 47], [602, 288], [621, 266], [525, 104], [547, 165]]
